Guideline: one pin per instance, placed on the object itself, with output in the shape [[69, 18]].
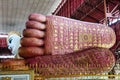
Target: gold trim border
[[30, 72]]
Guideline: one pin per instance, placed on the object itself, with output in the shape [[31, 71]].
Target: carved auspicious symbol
[[61, 27], [110, 44], [98, 29], [56, 47], [71, 34], [85, 29], [99, 45], [55, 22], [55, 35], [89, 29], [94, 29], [76, 41], [75, 22], [95, 41], [55, 18], [56, 39], [56, 31], [94, 44], [76, 47], [71, 37], [80, 24], [61, 24], [71, 45], [102, 30], [76, 28], [61, 35], [103, 45], [90, 44], [85, 44], [71, 41], [99, 40], [66, 24], [66, 47], [106, 30], [76, 38], [66, 39], [85, 37]]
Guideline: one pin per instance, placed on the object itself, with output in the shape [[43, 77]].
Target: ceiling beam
[[89, 5], [112, 2], [100, 10], [88, 16], [91, 10]]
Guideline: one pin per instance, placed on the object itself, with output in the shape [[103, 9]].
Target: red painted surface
[[67, 8], [3, 47], [3, 42], [85, 10]]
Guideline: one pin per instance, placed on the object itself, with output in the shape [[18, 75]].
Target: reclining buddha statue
[[59, 46]]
